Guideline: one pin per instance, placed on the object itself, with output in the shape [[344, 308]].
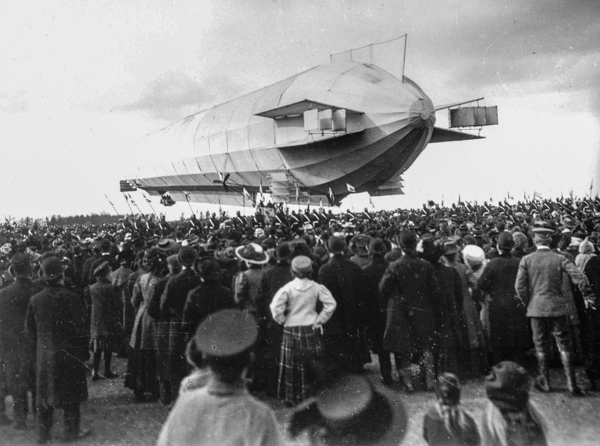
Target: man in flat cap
[[539, 285]]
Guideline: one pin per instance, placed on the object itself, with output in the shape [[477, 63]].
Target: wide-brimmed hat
[[20, 265], [252, 253], [226, 333], [352, 411], [191, 240], [166, 244], [52, 268]]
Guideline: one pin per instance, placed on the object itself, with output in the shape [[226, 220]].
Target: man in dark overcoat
[[408, 286], [373, 272], [270, 332], [172, 304], [16, 357], [56, 325], [344, 334], [539, 284]]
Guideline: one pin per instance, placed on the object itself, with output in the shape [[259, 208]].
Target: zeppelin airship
[[351, 125]]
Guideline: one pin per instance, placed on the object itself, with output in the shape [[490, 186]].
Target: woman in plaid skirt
[[295, 306]]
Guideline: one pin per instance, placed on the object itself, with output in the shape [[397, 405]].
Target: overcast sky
[[80, 81]]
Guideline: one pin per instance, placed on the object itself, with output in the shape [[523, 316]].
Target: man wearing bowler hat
[[539, 285], [55, 323]]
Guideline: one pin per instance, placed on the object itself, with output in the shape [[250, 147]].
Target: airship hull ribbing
[[263, 139]]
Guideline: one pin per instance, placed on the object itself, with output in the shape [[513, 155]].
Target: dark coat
[[271, 332], [56, 324], [373, 272], [448, 307], [509, 327], [207, 298], [114, 264], [408, 285], [15, 348], [172, 305], [435, 432], [105, 302], [345, 332], [162, 324]]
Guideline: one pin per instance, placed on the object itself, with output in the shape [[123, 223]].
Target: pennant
[[371, 202], [350, 188], [147, 199], [331, 197], [247, 195]]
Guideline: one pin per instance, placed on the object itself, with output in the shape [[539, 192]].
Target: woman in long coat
[[508, 330], [141, 367]]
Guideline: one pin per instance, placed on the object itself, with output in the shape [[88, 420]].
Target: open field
[[116, 419]]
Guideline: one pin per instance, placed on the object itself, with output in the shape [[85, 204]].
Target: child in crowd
[[447, 423]]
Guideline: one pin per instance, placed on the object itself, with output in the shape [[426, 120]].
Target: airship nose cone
[[422, 112]]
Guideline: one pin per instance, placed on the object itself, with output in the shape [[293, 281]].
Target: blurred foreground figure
[[350, 410], [447, 423], [509, 418], [218, 409]]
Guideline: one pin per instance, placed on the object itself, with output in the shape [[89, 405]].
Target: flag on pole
[[147, 199], [331, 196], [371, 202], [320, 202], [131, 199], [248, 196], [350, 188]]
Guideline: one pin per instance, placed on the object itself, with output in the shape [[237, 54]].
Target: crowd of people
[[292, 305]]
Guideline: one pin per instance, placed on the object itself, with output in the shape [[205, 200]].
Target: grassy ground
[[116, 419]]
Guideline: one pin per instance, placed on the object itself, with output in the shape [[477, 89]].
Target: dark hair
[[228, 369]]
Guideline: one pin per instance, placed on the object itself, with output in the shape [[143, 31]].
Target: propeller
[[223, 181]]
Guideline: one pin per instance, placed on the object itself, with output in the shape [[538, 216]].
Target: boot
[[542, 381], [567, 360]]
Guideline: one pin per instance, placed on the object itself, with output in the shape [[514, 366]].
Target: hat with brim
[[450, 247], [191, 241], [166, 244], [542, 228], [252, 253], [102, 269], [226, 333], [20, 265], [352, 411], [52, 268]]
